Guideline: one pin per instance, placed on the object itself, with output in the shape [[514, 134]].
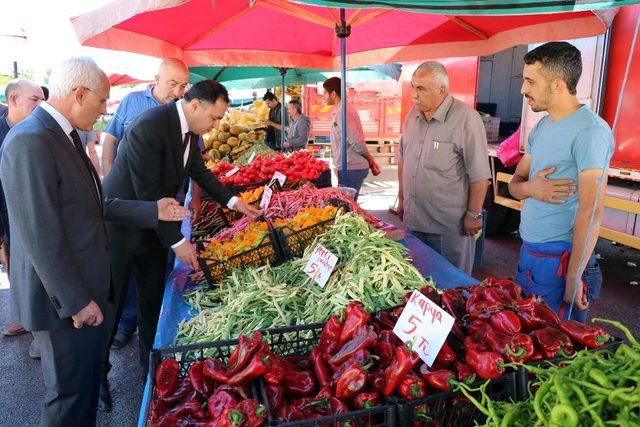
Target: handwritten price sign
[[280, 177], [266, 197], [321, 265], [425, 325], [232, 172]]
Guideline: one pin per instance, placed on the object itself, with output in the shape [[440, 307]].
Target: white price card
[[232, 172], [320, 265], [280, 177], [266, 197], [424, 325], [252, 158]]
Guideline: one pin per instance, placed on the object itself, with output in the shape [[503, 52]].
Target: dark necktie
[[187, 138], [87, 162]]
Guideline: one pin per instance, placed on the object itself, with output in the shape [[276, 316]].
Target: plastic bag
[[509, 150]]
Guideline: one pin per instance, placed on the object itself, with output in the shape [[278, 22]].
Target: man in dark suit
[[156, 154], [60, 257]]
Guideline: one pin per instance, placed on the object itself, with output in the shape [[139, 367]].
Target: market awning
[[124, 79]]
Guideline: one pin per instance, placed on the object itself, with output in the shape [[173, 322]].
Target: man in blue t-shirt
[[568, 150]]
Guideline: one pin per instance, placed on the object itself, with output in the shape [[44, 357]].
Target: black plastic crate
[[524, 377], [452, 409], [211, 221], [268, 251]]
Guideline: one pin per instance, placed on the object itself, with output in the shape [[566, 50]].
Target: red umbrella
[[124, 79], [280, 33]]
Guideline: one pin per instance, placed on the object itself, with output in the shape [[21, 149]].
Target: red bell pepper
[[446, 356], [299, 383], [472, 344], [320, 367], [487, 365], [545, 313], [219, 401], [483, 309], [215, 369], [355, 316], [331, 331], [384, 320], [397, 312], [254, 413], [498, 342], [351, 382], [231, 417], [389, 337], [363, 338], [454, 303], [404, 361], [367, 400], [506, 321], [242, 354], [384, 352], [191, 408], [257, 367], [588, 336], [167, 377], [274, 373], [376, 379], [412, 387], [526, 310], [244, 390], [275, 398], [552, 342], [463, 371], [478, 328], [360, 358], [300, 362], [536, 356], [504, 285], [439, 380], [520, 348], [433, 294], [179, 394], [199, 382]]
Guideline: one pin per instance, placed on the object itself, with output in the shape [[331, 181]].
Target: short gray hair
[[295, 103], [438, 71], [73, 73]]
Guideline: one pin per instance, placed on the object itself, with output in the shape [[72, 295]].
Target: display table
[[174, 309]]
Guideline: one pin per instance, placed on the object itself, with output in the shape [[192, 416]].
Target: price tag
[[266, 197], [280, 177], [320, 265], [425, 325], [252, 158], [232, 172]]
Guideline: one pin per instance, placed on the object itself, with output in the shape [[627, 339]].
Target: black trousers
[[72, 369], [149, 271]]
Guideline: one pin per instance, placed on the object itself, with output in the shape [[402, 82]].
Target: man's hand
[[581, 302], [375, 168], [267, 123], [187, 255], [471, 226], [550, 190], [170, 210], [246, 210], [90, 315]]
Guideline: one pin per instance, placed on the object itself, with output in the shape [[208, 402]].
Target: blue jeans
[[355, 179], [129, 317], [539, 272]]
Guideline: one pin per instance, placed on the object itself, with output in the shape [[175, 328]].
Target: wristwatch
[[475, 217]]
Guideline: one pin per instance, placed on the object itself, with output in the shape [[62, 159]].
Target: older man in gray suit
[[60, 257]]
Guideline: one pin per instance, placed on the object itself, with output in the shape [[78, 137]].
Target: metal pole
[[15, 69], [283, 73], [342, 31]]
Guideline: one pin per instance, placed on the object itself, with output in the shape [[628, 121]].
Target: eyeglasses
[[102, 100]]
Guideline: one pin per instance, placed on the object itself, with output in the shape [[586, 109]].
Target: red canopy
[[124, 79], [280, 33]]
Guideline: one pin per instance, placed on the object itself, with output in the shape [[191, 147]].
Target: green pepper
[[564, 415]]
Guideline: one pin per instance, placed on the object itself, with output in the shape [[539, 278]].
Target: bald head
[[23, 96], [171, 81]]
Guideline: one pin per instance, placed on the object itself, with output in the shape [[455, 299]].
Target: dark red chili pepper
[[536, 356], [526, 311], [384, 352], [506, 321], [498, 295], [588, 336], [231, 417], [275, 398], [363, 338], [487, 365], [290, 412], [167, 377], [281, 361], [520, 348], [446, 356], [274, 373], [360, 358], [300, 362], [485, 309], [355, 316], [179, 394], [242, 354], [244, 391], [190, 408], [367, 400], [454, 303], [389, 337], [331, 331], [397, 313], [219, 401], [254, 413], [215, 369], [498, 342], [440, 379], [299, 383], [545, 313], [376, 379], [463, 371], [433, 294], [351, 382], [257, 367], [383, 319], [200, 383], [406, 297], [478, 328], [404, 361], [320, 367], [552, 342], [472, 344], [412, 387]]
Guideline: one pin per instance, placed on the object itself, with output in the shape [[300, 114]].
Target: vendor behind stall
[[443, 168], [274, 124], [298, 133]]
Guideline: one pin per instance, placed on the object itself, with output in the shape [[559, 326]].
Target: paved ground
[[21, 379]]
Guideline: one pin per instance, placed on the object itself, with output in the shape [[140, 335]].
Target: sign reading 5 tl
[[424, 325], [320, 265]]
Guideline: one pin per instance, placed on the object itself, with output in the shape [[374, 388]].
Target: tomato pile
[[299, 166]]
